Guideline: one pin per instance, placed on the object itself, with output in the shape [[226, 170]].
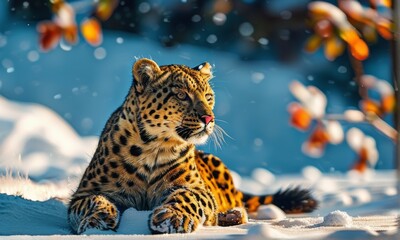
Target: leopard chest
[[144, 182]]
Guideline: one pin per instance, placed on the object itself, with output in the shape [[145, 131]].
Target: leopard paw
[[99, 220], [232, 217], [93, 212], [169, 219]]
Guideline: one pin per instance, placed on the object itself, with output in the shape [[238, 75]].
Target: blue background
[[85, 91]]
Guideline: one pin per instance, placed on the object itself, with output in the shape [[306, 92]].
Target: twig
[[359, 72], [370, 118], [381, 125]]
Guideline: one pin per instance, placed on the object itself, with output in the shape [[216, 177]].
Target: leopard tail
[[290, 200]]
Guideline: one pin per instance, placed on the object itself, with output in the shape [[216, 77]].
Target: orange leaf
[[333, 48], [359, 49], [313, 43], [70, 34], [49, 35], [319, 137], [353, 9], [388, 103], [323, 28], [316, 143], [362, 162], [369, 105], [385, 28], [91, 31], [300, 118], [105, 8], [64, 14], [349, 35], [385, 3]]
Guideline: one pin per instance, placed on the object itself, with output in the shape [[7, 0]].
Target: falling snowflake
[[100, 53]]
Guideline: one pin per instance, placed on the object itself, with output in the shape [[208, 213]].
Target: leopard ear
[[205, 70], [145, 71]]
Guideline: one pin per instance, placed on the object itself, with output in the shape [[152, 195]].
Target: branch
[[369, 117], [381, 125], [359, 72]]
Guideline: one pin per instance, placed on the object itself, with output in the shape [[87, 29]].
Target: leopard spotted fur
[[146, 159]]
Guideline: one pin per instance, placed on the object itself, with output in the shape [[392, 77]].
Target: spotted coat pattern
[[146, 159]]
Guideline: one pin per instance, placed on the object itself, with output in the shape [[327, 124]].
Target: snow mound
[[269, 212], [27, 189], [327, 185], [390, 191], [311, 173], [237, 179], [263, 176], [337, 218], [19, 216], [36, 141], [264, 231], [361, 195], [343, 198], [354, 234]]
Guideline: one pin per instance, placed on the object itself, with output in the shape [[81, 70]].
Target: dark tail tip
[[295, 200]]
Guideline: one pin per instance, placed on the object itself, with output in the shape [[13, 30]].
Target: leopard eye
[[199, 67], [181, 95]]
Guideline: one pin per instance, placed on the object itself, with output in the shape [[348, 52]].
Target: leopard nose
[[207, 119]]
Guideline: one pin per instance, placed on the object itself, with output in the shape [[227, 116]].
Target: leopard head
[[175, 101]]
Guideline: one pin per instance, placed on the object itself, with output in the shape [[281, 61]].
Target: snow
[[26, 188], [311, 173], [299, 222], [104, 85], [132, 222], [261, 232], [42, 157], [263, 176], [337, 218], [32, 136], [269, 212], [19, 216], [353, 206], [360, 195]]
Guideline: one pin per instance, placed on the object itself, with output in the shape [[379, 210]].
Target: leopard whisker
[[218, 136], [219, 120], [216, 141]]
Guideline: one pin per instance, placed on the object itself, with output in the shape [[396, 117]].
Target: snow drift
[[36, 141], [50, 157]]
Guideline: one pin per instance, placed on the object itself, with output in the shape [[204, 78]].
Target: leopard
[[147, 159]]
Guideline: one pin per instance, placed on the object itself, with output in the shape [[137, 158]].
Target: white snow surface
[[270, 212], [337, 218], [34, 140], [40, 174]]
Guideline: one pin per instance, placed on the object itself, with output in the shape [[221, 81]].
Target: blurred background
[[255, 46]]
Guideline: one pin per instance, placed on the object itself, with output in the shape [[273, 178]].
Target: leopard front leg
[[94, 211], [183, 210]]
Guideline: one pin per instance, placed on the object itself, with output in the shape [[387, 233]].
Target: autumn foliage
[[350, 25], [63, 26]]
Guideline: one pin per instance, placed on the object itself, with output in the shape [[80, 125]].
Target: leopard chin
[[198, 139], [201, 137]]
